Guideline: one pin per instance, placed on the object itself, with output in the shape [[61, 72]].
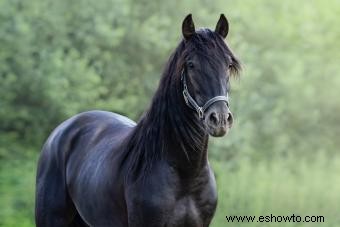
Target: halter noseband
[[193, 104]]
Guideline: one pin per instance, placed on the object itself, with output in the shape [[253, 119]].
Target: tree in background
[[62, 57]]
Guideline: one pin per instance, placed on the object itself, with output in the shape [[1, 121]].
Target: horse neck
[[174, 131]]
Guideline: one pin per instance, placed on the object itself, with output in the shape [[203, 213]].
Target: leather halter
[[190, 101]]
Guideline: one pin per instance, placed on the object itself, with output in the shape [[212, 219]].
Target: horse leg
[[53, 207]]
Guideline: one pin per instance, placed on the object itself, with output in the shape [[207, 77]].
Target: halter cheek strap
[[193, 104]]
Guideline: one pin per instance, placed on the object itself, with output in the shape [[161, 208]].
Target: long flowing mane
[[168, 123]]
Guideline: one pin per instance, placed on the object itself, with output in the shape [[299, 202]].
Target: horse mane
[[167, 118]]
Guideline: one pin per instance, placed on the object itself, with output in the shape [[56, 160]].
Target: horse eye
[[190, 65]]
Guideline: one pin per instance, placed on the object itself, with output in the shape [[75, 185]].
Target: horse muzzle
[[218, 120]]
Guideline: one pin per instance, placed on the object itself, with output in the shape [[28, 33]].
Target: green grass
[[279, 187], [17, 183]]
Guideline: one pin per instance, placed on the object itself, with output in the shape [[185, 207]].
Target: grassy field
[[279, 187], [17, 182]]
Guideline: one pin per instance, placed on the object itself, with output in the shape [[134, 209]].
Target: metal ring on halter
[[193, 104]]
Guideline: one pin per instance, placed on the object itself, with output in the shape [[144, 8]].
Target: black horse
[[102, 169]]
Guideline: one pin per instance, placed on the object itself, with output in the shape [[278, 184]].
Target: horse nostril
[[230, 118], [213, 118]]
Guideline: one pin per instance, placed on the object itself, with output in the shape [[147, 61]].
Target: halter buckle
[[200, 112]]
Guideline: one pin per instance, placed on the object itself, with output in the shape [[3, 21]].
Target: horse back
[[84, 132]]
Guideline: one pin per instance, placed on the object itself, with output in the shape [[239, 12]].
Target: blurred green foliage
[[58, 58]]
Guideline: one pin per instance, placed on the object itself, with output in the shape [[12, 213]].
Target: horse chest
[[196, 204], [188, 203], [191, 212], [166, 200]]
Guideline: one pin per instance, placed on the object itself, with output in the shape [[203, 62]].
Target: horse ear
[[222, 26], [188, 27]]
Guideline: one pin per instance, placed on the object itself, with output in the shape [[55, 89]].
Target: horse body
[[102, 169], [76, 167]]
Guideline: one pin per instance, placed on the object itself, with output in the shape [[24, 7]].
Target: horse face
[[208, 64], [207, 80]]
